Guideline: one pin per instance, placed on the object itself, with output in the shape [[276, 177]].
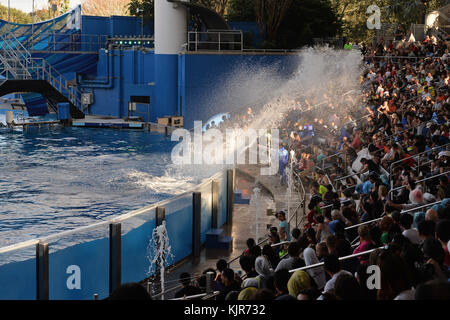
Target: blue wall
[[204, 79], [120, 75], [18, 279], [115, 25], [193, 85]]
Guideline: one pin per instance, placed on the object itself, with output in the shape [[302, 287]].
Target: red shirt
[[447, 257]]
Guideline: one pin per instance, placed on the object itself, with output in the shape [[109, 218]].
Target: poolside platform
[[116, 123], [247, 177]]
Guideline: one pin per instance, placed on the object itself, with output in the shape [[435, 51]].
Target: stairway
[[23, 73], [216, 240]]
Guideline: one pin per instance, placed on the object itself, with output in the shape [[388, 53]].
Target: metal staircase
[[16, 63]]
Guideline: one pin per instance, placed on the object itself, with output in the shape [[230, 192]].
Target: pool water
[[56, 180]]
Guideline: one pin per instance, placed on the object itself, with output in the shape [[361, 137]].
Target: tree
[[269, 15], [62, 6], [352, 17], [105, 8], [139, 8], [16, 16], [412, 11], [306, 20], [241, 10], [218, 6]]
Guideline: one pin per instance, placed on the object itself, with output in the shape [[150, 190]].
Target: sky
[[26, 5]]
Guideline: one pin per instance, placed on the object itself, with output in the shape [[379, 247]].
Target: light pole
[[32, 21], [142, 21], [9, 9]]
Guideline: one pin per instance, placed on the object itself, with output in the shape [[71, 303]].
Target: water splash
[[159, 253]]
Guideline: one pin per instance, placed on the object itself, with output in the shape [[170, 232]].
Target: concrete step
[[225, 243], [214, 235]]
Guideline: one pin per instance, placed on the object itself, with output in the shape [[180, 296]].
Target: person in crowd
[[406, 221], [130, 292], [332, 266], [220, 266], [396, 281], [347, 287], [250, 243], [293, 261], [426, 229], [321, 251], [283, 227], [247, 264], [187, 288], [269, 253], [229, 284], [365, 243], [299, 281], [281, 279], [264, 270], [443, 235]]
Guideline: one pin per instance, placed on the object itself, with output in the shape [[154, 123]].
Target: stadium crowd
[[379, 192], [379, 185]]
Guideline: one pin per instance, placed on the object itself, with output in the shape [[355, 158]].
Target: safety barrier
[[96, 259], [321, 264], [417, 182]]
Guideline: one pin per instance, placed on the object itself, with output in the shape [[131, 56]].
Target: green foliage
[[218, 6], [16, 16], [135, 8], [241, 10], [305, 20], [407, 12], [64, 6]]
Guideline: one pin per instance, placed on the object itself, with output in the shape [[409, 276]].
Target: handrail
[[403, 211], [302, 196], [258, 244], [363, 224], [330, 157], [280, 244], [201, 295], [167, 291], [422, 207], [349, 176], [340, 259], [416, 155], [417, 182]]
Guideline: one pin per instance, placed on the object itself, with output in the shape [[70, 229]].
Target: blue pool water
[[56, 180]]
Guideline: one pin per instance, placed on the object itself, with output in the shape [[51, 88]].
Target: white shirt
[[412, 235], [331, 282], [406, 295], [318, 274]]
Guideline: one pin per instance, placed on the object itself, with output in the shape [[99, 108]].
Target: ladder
[[17, 63]]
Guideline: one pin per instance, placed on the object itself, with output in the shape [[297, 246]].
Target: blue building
[[119, 67]]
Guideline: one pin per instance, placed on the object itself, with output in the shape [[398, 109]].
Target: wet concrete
[[244, 221]]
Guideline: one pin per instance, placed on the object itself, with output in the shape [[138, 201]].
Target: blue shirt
[[285, 226]]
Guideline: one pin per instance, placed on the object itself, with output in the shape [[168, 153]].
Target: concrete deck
[[247, 177]]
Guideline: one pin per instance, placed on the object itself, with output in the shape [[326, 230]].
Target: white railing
[[321, 264], [215, 41]]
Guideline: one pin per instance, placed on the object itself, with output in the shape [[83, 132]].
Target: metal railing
[[417, 182], [201, 295], [415, 156], [302, 197], [422, 207], [321, 264], [221, 40], [28, 68], [66, 42], [363, 224]]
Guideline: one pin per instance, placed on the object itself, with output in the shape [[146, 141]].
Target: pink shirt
[[364, 246]]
